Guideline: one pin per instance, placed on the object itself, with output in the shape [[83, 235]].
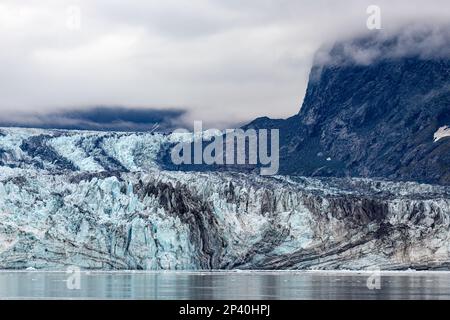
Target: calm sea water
[[223, 285]]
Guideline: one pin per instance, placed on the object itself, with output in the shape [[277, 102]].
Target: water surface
[[223, 285]]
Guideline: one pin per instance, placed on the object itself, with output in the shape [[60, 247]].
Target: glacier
[[99, 200]]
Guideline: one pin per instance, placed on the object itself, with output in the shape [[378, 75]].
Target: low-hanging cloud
[[104, 118], [422, 41], [225, 61]]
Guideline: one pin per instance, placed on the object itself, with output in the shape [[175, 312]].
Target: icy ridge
[[98, 201]]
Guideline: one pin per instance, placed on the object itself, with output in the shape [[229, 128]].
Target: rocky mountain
[[371, 120], [373, 108], [99, 200]]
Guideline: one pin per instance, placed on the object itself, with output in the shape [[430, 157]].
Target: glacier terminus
[[100, 200]]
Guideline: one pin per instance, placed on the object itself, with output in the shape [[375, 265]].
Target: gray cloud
[[423, 41], [98, 118], [226, 60]]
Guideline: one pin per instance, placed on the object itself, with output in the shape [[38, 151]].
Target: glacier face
[[99, 201]]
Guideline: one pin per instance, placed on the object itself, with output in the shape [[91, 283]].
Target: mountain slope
[[375, 119]]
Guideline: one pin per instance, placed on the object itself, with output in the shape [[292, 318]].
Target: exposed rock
[[383, 119]]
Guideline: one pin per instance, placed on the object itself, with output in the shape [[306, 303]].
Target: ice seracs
[[99, 201]]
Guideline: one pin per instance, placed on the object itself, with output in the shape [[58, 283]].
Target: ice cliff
[[99, 201]]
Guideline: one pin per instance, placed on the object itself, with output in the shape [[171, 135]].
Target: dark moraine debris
[[36, 146], [195, 212]]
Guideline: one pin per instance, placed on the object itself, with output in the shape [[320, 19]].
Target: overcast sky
[[225, 61]]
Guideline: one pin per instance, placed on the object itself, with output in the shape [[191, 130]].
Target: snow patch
[[442, 133]]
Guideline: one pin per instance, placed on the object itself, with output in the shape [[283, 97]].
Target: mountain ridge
[[375, 119]]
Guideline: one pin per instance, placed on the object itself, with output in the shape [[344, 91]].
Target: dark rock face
[[372, 118], [375, 120]]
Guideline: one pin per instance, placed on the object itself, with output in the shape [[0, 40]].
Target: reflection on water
[[221, 285]]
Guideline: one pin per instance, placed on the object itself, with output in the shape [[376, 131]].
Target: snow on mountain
[[441, 133]]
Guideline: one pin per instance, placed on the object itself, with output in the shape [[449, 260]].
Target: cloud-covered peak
[[422, 41], [225, 61]]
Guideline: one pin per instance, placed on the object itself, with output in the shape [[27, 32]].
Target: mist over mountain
[[224, 61], [372, 109]]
